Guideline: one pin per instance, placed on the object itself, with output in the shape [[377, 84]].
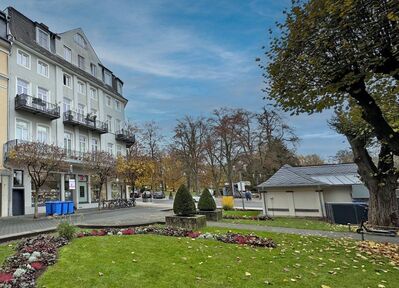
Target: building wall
[[4, 173], [303, 201]]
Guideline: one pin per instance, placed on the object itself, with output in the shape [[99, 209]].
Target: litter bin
[[49, 208], [64, 207], [57, 207], [70, 207]]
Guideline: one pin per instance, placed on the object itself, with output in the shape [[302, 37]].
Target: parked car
[[196, 198], [158, 195], [146, 194]]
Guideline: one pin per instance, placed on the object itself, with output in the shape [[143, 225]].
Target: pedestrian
[[246, 195]]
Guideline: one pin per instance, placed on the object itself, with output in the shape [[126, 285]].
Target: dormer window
[[43, 38], [119, 87], [107, 78], [79, 40]]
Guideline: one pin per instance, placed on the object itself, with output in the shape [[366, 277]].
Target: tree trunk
[[383, 204], [36, 200]]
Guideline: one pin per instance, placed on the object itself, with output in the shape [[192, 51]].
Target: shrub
[[206, 201], [184, 204], [66, 230]]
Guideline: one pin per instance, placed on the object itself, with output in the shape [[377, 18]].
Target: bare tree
[[101, 165], [189, 140], [312, 159], [40, 160], [151, 139], [344, 156]]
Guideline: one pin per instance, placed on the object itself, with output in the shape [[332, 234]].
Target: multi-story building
[[60, 93], [4, 53]]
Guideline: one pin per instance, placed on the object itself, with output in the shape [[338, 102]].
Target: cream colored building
[[304, 191], [4, 54]]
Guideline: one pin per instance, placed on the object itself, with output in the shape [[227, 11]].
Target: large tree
[[40, 160], [325, 56]]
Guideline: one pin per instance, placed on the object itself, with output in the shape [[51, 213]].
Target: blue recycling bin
[[71, 209], [49, 208], [57, 207], [64, 207]]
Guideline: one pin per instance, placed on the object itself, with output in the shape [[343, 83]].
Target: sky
[[183, 57]]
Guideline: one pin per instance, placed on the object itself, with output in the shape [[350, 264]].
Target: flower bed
[[243, 217], [33, 255]]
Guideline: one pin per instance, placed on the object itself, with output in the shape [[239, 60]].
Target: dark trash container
[[344, 213], [49, 208]]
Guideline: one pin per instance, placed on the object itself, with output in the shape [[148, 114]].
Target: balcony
[[87, 121], [24, 102], [125, 136]]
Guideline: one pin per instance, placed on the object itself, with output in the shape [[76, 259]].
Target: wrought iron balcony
[[24, 102], [87, 121], [125, 136]]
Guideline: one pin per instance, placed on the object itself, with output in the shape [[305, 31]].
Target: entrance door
[[83, 193], [18, 207]]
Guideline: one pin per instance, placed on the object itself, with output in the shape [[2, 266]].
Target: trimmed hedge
[[184, 204], [206, 201]]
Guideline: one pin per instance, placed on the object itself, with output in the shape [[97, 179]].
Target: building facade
[[4, 54], [60, 93]]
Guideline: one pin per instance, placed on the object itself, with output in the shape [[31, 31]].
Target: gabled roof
[[320, 175]]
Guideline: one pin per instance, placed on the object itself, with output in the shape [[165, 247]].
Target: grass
[[247, 213], [288, 222], [5, 251], [159, 261]]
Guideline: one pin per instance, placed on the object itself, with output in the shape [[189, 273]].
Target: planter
[[212, 215], [187, 222]]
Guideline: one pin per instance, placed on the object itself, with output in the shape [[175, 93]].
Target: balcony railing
[[37, 106], [71, 155], [125, 136], [87, 121]]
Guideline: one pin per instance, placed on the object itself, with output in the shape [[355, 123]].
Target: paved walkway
[[19, 225], [329, 234]]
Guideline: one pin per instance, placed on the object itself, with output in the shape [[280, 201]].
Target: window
[[79, 40], [67, 54], [22, 87], [93, 94], [22, 130], [43, 39], [119, 87], [117, 124], [93, 69], [81, 62], [110, 148], [82, 144], [118, 150], [68, 142], [109, 101], [109, 122], [67, 80], [18, 178], [43, 94], [94, 144], [107, 78], [42, 68], [81, 87], [67, 104], [81, 112], [117, 105], [23, 59], [42, 134]]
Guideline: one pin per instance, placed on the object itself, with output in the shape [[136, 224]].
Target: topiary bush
[[184, 204], [66, 230], [206, 201]]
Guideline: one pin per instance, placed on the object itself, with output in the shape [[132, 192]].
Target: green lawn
[[300, 223], [247, 213], [5, 251], [159, 261]]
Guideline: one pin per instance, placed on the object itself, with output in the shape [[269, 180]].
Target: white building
[[304, 191], [59, 93]]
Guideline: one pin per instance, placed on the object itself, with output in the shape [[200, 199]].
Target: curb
[[126, 225], [16, 236]]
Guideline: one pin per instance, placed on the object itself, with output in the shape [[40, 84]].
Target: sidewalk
[[329, 234]]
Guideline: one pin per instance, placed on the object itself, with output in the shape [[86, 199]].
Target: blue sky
[[180, 57]]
